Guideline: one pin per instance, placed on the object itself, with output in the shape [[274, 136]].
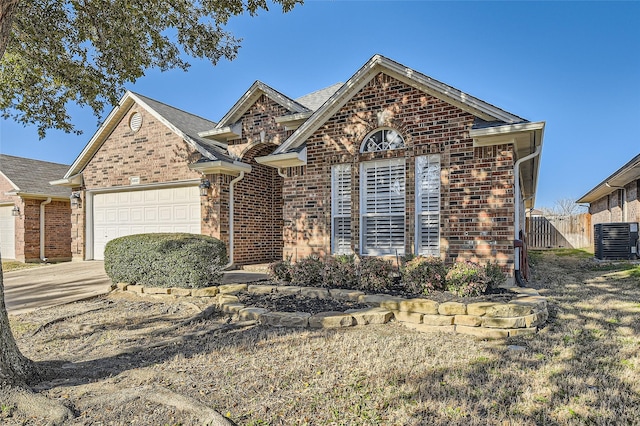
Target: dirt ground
[[131, 360]]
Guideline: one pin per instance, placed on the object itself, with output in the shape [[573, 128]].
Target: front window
[[382, 207], [382, 140]]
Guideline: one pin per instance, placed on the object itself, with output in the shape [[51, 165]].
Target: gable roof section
[[227, 129], [182, 123], [31, 177], [315, 100], [373, 67], [624, 175]]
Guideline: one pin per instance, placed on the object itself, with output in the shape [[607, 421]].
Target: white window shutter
[[428, 205], [341, 209]]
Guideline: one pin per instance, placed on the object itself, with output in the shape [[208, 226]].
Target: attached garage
[[7, 233], [116, 214]]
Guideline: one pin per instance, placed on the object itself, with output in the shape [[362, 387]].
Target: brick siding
[[609, 209], [477, 210]]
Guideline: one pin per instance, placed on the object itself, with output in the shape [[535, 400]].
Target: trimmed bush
[[495, 275], [307, 272], [422, 275], [280, 270], [166, 260], [340, 271], [467, 279], [375, 274]]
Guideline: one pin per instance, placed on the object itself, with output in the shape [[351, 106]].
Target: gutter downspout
[[231, 185], [516, 193], [42, 234], [624, 200]]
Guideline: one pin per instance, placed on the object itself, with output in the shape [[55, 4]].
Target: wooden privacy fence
[[559, 231]]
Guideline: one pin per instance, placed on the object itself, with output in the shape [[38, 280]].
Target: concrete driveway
[[52, 285]]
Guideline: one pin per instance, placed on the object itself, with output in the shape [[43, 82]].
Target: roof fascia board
[[75, 180], [624, 174], [251, 96], [418, 80], [293, 121], [35, 195], [221, 167], [223, 134], [289, 159]]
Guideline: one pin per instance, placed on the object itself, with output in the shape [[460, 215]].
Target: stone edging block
[[486, 320]]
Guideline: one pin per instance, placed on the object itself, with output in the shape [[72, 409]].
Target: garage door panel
[[7, 233], [144, 211]]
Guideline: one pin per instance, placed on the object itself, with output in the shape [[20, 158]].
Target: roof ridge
[[341, 83], [34, 159]]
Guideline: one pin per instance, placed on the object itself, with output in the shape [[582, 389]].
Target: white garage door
[[117, 214], [7, 233]]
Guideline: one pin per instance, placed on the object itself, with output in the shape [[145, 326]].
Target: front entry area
[[117, 214]]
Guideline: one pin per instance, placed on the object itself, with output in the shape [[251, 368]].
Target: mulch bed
[[299, 303]]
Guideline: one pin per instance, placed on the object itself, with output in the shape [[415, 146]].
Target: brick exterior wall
[[27, 227], [477, 205], [154, 153], [609, 209]]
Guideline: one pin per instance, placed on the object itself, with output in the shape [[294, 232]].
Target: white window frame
[[427, 205], [377, 203], [340, 208]]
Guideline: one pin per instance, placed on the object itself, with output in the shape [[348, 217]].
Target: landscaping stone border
[[487, 320]]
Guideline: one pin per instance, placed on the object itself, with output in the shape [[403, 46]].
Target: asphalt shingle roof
[[189, 124], [33, 176], [314, 100]]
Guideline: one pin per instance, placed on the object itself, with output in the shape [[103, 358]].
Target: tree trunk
[[15, 368], [7, 8]]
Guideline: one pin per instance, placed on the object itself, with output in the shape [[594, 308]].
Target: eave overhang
[[525, 138], [223, 134], [220, 167], [75, 180], [288, 159], [37, 196], [293, 121], [623, 176]]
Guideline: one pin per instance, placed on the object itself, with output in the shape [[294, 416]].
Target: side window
[[341, 209], [428, 205]]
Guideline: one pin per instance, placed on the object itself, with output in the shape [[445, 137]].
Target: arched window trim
[[372, 144]]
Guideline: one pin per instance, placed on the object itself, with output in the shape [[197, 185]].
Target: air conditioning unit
[[616, 241]]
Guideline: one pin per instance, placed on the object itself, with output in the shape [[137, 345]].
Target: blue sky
[[575, 65]]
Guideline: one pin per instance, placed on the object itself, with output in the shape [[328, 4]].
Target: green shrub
[[307, 272], [165, 260], [495, 275], [467, 279], [340, 271], [375, 274], [280, 270], [424, 275]]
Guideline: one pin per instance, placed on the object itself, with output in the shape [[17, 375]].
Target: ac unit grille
[[616, 241]]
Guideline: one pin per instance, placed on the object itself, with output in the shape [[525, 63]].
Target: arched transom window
[[382, 140]]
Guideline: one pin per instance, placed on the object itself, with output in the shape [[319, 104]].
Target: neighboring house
[[391, 162], [617, 198], [35, 217]]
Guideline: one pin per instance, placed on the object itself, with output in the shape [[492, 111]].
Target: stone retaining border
[[485, 320]]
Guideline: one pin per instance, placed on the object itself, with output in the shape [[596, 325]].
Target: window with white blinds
[[382, 207], [341, 209], [428, 205]]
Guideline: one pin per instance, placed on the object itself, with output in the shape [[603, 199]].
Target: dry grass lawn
[[118, 360]]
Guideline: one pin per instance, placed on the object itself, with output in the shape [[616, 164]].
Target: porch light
[[15, 211], [204, 187], [75, 199]]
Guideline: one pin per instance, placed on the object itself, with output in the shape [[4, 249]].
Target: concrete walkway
[[52, 285]]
